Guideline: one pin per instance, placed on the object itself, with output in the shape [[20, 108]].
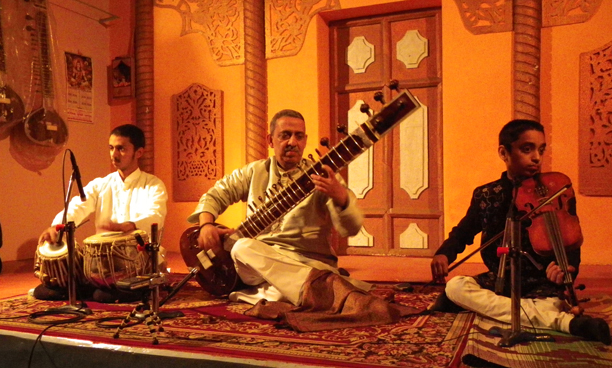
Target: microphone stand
[[515, 336], [69, 229], [149, 307]]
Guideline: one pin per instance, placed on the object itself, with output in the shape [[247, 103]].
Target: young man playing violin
[[521, 146]]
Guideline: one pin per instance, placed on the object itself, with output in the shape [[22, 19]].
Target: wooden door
[[399, 181]]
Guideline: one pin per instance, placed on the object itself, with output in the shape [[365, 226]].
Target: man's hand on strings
[[211, 237], [555, 274], [331, 186], [439, 268]]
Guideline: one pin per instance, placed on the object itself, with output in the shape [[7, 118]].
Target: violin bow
[[496, 237]]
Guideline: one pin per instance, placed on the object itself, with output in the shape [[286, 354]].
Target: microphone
[[77, 176]]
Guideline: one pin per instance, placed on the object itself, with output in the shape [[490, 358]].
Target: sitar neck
[[277, 203]]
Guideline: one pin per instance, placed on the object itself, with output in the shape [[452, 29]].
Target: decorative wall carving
[[486, 16], [595, 148], [563, 12], [221, 22], [492, 16], [287, 22], [197, 121]]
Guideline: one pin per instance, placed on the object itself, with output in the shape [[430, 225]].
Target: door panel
[[398, 183]]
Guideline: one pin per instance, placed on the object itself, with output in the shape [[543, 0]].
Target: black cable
[[77, 317]]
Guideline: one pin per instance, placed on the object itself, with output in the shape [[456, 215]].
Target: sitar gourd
[[216, 273]]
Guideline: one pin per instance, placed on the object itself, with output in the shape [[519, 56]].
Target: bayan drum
[[51, 265], [113, 256]]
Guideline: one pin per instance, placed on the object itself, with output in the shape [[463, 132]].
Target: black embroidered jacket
[[487, 215]]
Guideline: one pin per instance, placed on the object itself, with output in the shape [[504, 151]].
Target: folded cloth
[[330, 302]]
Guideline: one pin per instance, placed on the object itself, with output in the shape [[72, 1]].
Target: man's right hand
[[211, 237], [49, 235], [439, 268]]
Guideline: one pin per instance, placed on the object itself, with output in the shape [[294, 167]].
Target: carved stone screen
[[197, 142], [596, 122]]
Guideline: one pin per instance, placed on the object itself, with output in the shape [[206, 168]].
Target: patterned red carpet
[[217, 327]]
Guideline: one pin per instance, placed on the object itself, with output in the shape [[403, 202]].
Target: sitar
[[43, 125], [215, 272], [11, 105]]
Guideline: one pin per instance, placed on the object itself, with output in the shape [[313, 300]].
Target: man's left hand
[[555, 274], [331, 186]]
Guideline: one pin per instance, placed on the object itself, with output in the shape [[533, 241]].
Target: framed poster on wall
[[120, 78]]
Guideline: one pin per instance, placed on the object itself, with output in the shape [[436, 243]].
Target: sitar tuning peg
[[394, 84], [311, 157], [365, 108], [250, 207], [378, 96], [324, 142], [318, 152], [342, 129]]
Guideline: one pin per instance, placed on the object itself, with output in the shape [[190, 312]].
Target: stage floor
[[217, 334]]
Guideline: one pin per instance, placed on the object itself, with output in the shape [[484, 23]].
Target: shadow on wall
[[27, 250]]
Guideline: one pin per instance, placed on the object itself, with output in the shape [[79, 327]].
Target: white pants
[[275, 275], [541, 313]]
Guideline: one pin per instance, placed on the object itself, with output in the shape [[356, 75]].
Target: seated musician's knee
[[243, 248], [457, 285]]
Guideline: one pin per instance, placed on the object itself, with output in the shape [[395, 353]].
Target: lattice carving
[[596, 121], [491, 16], [486, 16], [563, 12], [197, 117], [221, 22], [287, 22]]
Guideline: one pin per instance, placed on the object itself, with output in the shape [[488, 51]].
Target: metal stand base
[[150, 316], [510, 338]]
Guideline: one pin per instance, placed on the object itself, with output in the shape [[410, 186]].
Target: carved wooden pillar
[[527, 23], [256, 80], [143, 45]]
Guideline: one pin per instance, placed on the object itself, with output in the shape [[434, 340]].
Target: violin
[[554, 229]]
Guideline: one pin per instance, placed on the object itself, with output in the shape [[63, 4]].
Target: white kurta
[[140, 199]]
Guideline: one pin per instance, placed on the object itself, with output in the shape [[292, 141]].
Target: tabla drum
[[114, 256], [51, 265]]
